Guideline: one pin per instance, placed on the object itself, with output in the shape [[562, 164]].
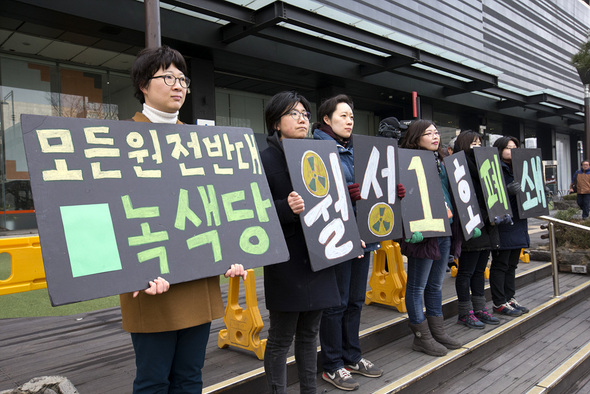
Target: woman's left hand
[[236, 270]]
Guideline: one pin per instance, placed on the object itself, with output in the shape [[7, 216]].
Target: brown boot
[[424, 342], [437, 329]]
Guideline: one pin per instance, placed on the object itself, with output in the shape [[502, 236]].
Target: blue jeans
[[170, 361], [283, 326], [471, 274], [425, 280], [339, 331], [583, 201]]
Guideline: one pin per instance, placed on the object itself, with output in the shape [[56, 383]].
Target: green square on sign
[[90, 238]]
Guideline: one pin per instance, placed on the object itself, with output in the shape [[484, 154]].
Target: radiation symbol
[[314, 174], [381, 219]]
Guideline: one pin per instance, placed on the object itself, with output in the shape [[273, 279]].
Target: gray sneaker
[[341, 379], [366, 368]]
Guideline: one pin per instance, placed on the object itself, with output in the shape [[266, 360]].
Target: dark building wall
[[530, 42]]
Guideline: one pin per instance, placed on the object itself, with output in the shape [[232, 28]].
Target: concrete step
[[394, 332]]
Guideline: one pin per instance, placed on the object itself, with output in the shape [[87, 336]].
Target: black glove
[[513, 187]]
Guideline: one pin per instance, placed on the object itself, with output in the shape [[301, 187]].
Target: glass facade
[[48, 88]]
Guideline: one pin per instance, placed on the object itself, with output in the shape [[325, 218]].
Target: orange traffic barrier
[[242, 326], [27, 272], [388, 279], [525, 257]]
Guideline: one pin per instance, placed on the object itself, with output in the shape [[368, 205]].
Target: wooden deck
[[93, 351]]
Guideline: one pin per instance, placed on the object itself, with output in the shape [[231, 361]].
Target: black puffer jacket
[[292, 286]]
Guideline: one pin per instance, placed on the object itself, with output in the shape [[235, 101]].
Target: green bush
[[570, 197], [570, 237], [567, 214]]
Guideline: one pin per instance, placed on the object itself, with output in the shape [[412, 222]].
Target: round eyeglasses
[[296, 115], [170, 80]]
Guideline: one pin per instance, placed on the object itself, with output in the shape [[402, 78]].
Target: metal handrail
[[552, 246]]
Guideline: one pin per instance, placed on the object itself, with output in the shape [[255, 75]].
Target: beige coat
[[185, 305]]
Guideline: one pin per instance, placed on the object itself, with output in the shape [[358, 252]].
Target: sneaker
[[470, 321], [485, 317], [516, 305], [508, 310], [342, 379], [366, 368]]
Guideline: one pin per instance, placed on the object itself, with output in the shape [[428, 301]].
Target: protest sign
[[492, 182], [376, 172], [528, 172], [464, 196], [423, 208], [328, 222], [120, 203]]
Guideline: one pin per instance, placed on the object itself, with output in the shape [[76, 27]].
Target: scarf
[[328, 130], [156, 116]]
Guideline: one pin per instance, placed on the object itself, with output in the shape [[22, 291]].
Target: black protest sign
[[492, 182], [121, 203], [328, 222], [464, 194], [376, 171], [528, 171], [423, 207]]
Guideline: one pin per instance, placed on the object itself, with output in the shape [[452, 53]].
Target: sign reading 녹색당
[[120, 203], [328, 221]]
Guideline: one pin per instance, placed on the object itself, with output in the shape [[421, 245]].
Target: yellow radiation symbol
[[381, 219], [314, 174]]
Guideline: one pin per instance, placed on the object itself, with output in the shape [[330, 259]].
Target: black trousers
[[502, 275]]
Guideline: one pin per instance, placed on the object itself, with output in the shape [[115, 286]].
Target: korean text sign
[[423, 207], [376, 172], [492, 182], [464, 193], [121, 203], [528, 172], [328, 221]]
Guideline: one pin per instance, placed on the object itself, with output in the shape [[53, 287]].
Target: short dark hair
[[279, 105], [149, 61], [502, 142], [412, 137], [328, 107], [464, 140]]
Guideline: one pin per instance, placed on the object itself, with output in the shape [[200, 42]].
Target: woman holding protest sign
[[513, 237], [339, 330], [295, 295], [428, 258], [470, 280], [169, 324]]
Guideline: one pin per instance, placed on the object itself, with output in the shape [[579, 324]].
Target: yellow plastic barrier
[[524, 256], [243, 326], [388, 279], [27, 272]]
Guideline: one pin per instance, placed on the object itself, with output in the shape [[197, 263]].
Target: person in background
[[513, 237], [427, 259], [339, 329], [295, 295], [169, 324], [470, 280], [391, 128], [451, 146], [581, 183]]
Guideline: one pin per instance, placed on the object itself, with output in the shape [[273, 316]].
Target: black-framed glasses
[[170, 80], [297, 115]]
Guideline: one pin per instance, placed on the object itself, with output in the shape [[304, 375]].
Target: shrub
[[570, 197]]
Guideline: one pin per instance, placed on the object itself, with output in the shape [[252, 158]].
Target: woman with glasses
[[470, 280], [513, 237], [295, 295], [339, 331], [169, 324], [428, 258]]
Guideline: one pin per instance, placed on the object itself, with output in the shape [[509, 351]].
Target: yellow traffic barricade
[[243, 326], [27, 271], [388, 279]]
